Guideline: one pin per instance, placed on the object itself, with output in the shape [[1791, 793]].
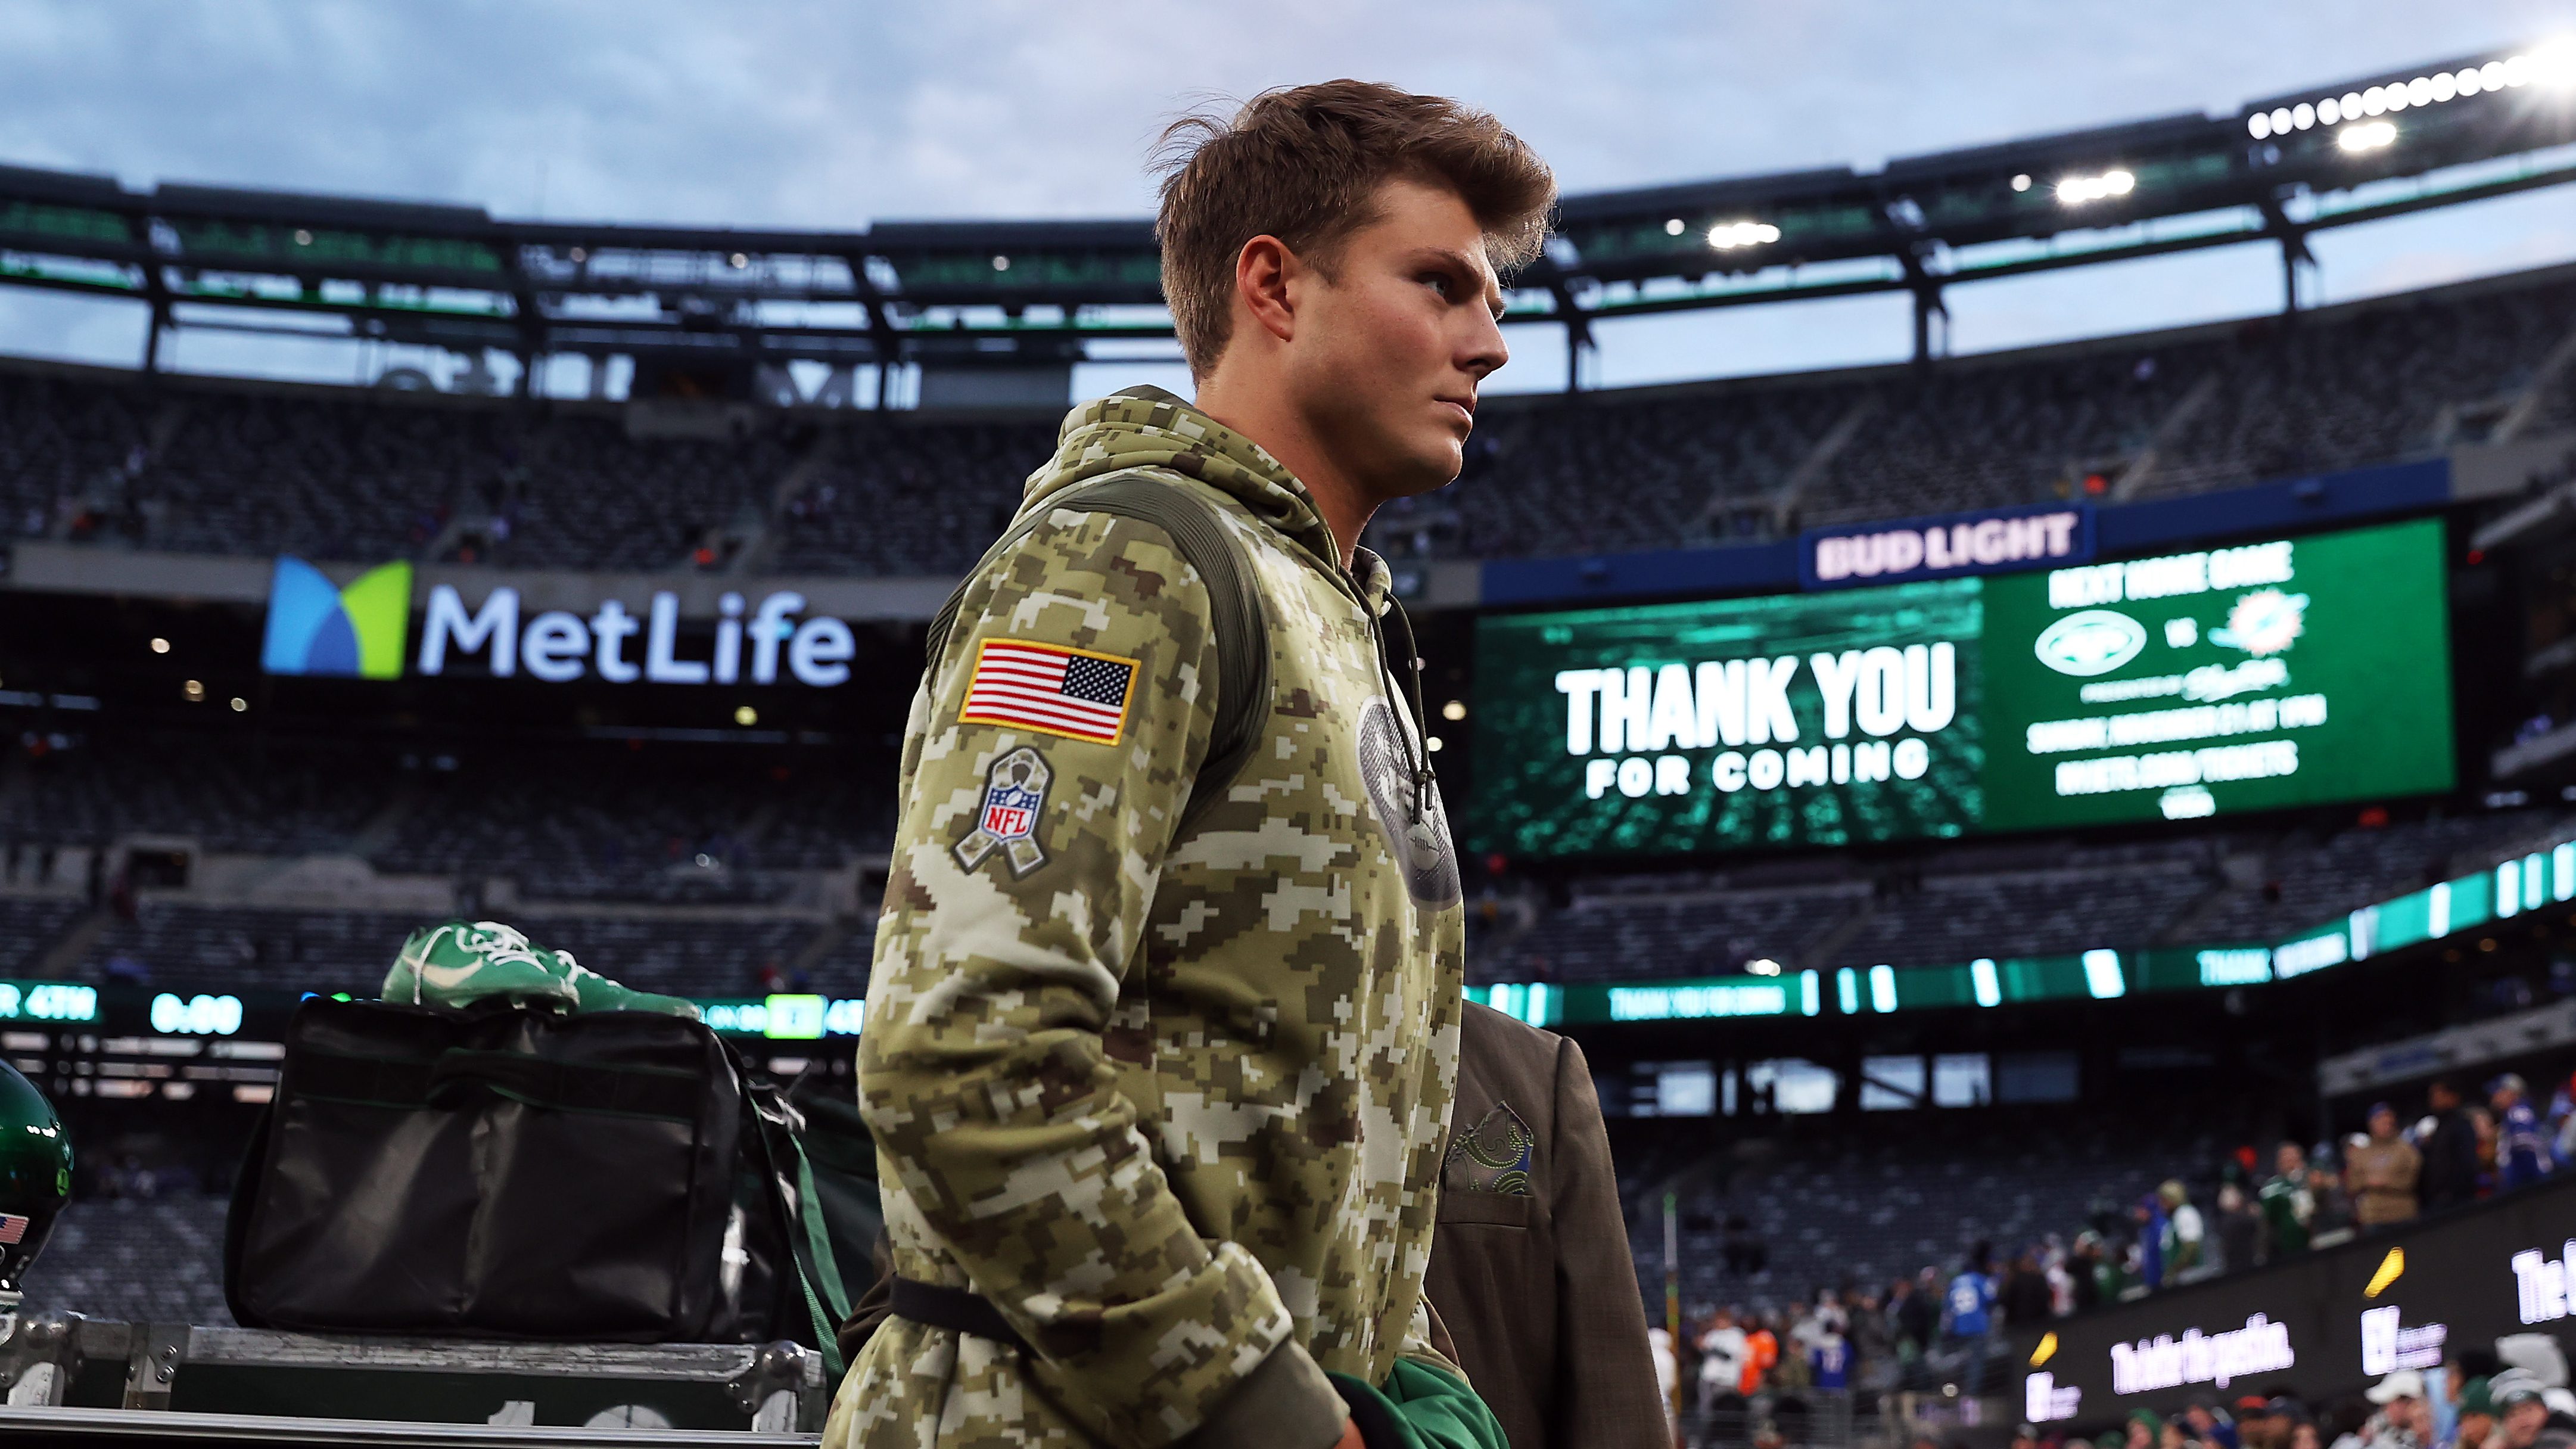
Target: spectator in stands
[[2143, 1429], [2383, 1172], [2522, 1410], [2561, 1121], [2449, 1145], [2061, 1282], [1829, 1360], [2149, 1217], [2255, 1428], [2239, 1235], [1761, 1355], [2476, 1421], [2466, 1362], [1721, 1359], [1968, 1317], [2185, 1235], [2086, 1265], [1873, 1343], [2025, 1298], [1791, 1373], [2522, 1153], [2287, 1207], [2401, 1421], [2207, 1423], [1917, 1310]]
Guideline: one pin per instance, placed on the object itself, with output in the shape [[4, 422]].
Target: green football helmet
[[35, 1178]]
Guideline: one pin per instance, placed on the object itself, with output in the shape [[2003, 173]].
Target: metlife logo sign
[[559, 646], [318, 629]]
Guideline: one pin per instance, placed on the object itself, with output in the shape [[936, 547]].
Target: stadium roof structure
[[1023, 293]]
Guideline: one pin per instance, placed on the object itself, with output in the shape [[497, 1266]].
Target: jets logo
[[1420, 841]]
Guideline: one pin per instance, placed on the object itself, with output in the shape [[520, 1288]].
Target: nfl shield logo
[[1014, 792], [1010, 813]]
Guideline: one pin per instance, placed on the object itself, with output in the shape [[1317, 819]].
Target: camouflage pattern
[[1174, 1098]]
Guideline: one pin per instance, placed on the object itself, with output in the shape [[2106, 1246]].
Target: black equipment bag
[[507, 1173]]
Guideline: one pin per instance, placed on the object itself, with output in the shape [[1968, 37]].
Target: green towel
[[1420, 1407], [457, 963]]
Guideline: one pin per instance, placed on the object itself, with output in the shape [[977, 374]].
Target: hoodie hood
[[1146, 427]]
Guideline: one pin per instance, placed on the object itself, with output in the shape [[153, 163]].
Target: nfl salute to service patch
[[1072, 693], [1014, 792]]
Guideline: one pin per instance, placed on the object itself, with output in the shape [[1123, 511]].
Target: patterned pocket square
[[1494, 1156]]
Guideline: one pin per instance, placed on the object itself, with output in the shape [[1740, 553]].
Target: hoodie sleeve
[[1053, 746]]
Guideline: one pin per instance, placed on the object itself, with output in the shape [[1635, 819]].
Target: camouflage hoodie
[[1167, 1087]]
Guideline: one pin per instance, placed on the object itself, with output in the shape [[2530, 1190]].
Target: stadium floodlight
[[2022, 182], [1762, 966], [1673, 227], [2368, 136], [1728, 235], [2076, 190], [1001, 264], [2552, 63]]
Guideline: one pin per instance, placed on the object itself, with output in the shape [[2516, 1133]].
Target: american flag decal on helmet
[[13, 1228]]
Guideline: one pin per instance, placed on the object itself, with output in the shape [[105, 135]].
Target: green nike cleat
[[458, 963]]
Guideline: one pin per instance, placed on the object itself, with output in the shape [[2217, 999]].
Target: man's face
[[2406, 1412], [1390, 348], [2474, 1429], [2289, 1159], [2522, 1422], [2383, 1125]]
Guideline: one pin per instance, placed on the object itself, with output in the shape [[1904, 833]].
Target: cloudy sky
[[833, 114]]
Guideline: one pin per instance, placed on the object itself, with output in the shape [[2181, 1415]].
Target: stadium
[[1970, 811]]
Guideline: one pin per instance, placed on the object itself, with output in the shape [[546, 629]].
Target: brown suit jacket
[[1530, 1271]]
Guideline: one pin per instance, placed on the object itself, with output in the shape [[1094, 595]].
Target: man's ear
[[1263, 272]]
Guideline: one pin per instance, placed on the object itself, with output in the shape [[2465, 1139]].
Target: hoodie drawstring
[[1415, 753]]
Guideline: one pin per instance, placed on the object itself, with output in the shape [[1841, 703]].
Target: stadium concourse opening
[[1983, 938]]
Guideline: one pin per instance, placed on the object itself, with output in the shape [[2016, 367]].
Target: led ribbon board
[[2280, 673]]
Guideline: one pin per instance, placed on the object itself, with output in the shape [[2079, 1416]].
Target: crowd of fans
[[1943, 1326], [199, 467]]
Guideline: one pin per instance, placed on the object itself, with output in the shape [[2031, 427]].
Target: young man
[[1163, 1025]]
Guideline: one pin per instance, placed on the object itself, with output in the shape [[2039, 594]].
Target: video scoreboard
[[2283, 672]]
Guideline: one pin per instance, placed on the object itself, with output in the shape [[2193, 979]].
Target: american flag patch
[[13, 1228], [1071, 693]]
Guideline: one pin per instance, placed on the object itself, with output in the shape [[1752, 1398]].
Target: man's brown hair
[[1302, 163]]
